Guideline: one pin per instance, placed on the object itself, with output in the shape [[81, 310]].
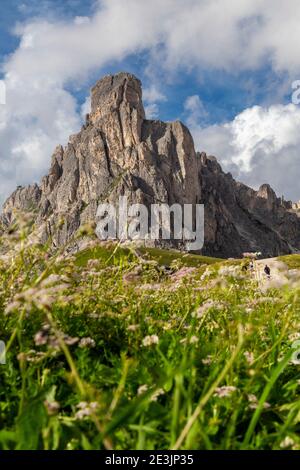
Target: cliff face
[[119, 152]]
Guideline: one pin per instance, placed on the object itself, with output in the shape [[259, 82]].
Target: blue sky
[[223, 94], [225, 72]]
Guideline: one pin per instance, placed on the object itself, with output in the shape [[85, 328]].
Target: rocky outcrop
[[119, 152]]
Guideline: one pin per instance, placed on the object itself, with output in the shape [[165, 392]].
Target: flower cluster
[[150, 340]]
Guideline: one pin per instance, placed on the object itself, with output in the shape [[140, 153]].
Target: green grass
[[163, 257], [161, 348], [292, 261], [167, 257]]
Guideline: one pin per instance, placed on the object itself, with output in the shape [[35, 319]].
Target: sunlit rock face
[[119, 152]]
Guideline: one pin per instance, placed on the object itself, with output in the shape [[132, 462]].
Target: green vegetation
[[113, 351], [161, 256], [292, 261]]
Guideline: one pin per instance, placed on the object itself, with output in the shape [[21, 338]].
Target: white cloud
[[86, 108], [260, 145], [36, 118], [229, 35], [152, 96], [152, 111], [195, 111]]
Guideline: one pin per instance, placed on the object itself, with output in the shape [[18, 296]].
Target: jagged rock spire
[[117, 103]]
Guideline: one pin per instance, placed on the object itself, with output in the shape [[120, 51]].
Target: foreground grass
[[115, 351]]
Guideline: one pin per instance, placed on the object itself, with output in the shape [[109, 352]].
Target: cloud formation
[[228, 35], [260, 145]]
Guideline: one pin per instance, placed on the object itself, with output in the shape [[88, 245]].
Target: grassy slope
[[292, 261], [163, 257], [215, 328]]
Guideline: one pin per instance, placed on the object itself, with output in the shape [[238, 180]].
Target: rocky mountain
[[119, 152]]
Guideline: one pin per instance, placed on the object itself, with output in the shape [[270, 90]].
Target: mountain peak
[[113, 90], [117, 107]]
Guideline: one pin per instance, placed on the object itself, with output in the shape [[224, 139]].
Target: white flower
[[224, 391], [208, 304], [295, 362], [206, 274], [294, 336], [194, 340], [150, 340], [254, 402], [231, 271], [142, 389], [207, 360], [132, 327], [85, 409], [156, 394], [87, 343], [287, 442], [249, 357]]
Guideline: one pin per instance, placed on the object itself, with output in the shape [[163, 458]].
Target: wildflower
[[254, 402], [249, 357], [93, 264], [205, 307], [287, 442], [213, 325], [224, 391], [182, 273], [150, 287], [95, 316], [194, 340], [68, 340], [42, 297], [55, 279], [207, 361], [21, 357], [150, 340], [31, 356], [230, 271], [252, 398], [294, 336], [85, 409], [52, 407], [12, 307], [157, 394], [130, 277], [87, 343], [295, 361], [248, 310], [41, 338], [206, 274], [142, 389], [132, 327], [94, 405], [82, 405]]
